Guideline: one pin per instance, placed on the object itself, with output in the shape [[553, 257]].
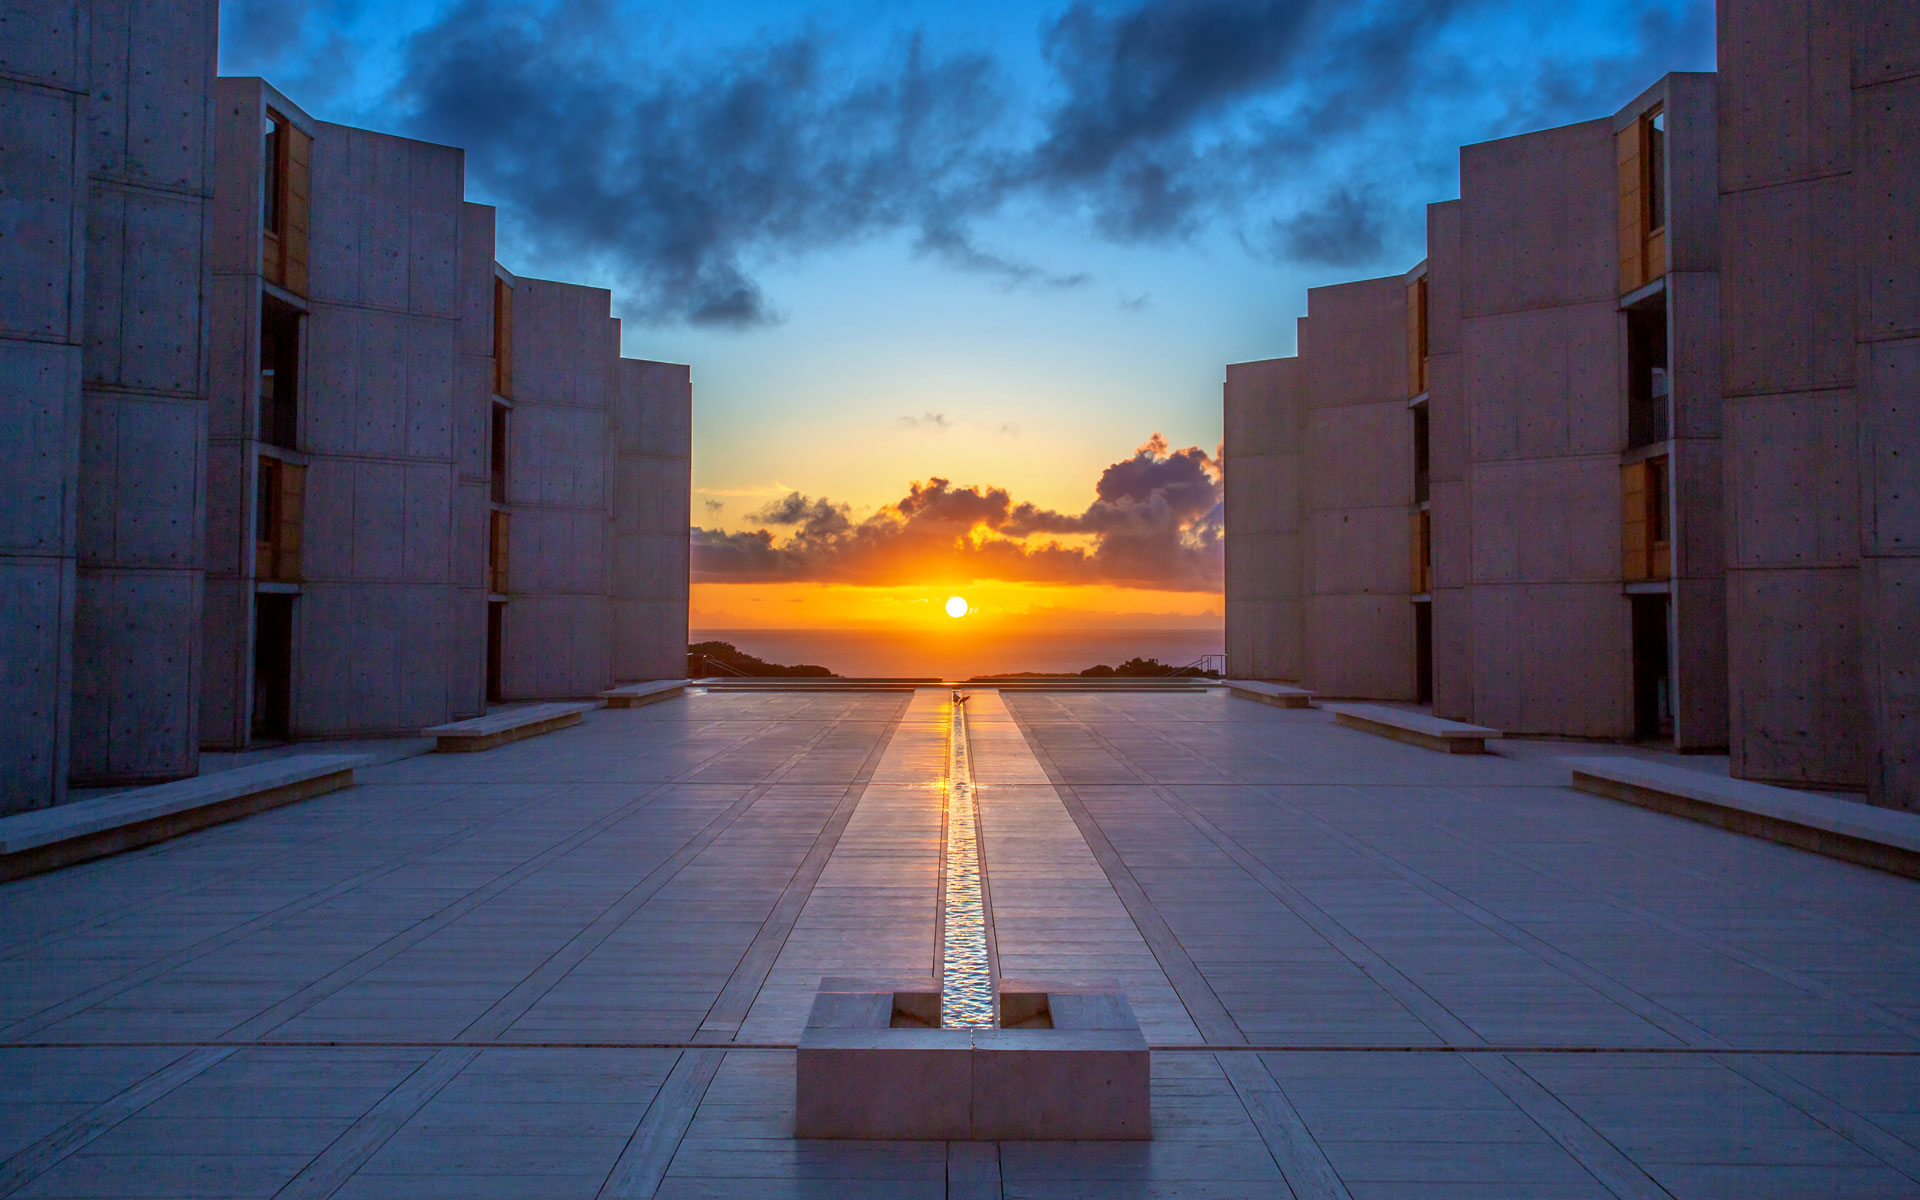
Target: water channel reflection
[[966, 976]]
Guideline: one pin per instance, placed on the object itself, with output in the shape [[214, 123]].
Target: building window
[[498, 453], [1656, 157], [273, 152], [1640, 157], [287, 155], [1647, 521], [1649, 402], [279, 373], [278, 509]]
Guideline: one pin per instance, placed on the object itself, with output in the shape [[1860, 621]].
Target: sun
[[956, 606]]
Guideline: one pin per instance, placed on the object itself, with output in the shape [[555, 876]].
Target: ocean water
[[968, 650]]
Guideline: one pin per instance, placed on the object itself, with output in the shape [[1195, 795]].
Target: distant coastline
[[967, 652]]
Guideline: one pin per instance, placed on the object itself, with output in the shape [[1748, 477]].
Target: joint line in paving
[[736, 998]]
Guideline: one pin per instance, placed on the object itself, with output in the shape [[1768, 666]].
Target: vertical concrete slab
[[1449, 512], [1265, 567], [1356, 476], [143, 464], [43, 188], [1543, 408], [651, 496], [389, 415], [1815, 211], [558, 627]]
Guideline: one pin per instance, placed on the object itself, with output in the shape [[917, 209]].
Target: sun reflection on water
[[966, 978]]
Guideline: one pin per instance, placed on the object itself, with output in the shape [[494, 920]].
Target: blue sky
[[999, 242]]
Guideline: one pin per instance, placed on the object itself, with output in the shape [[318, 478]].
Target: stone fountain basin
[[1068, 1063]]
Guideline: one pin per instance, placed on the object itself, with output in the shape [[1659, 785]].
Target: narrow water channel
[[966, 975]]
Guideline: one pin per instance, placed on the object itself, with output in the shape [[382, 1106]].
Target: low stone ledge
[[633, 695], [1068, 1063], [1278, 694], [1414, 728], [48, 838], [497, 729], [1886, 839]]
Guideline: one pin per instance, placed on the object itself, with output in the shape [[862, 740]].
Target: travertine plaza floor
[[576, 966]]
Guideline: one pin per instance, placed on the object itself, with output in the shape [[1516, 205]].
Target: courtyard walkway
[[576, 967]]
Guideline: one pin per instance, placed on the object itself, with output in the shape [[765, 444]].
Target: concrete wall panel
[[1890, 448], [153, 71], [1453, 665], [1572, 679], [41, 191], [1347, 347], [1890, 604], [1693, 173], [1887, 183], [1359, 550], [1795, 697], [40, 410], [1545, 382], [229, 541], [650, 639], [1700, 664], [45, 42], [1444, 274], [1886, 41], [1792, 482], [36, 638], [1360, 646], [1787, 288], [135, 714], [1546, 521], [1783, 89], [1693, 353], [226, 647], [1360, 456], [557, 646], [379, 521], [1538, 221], [477, 237]]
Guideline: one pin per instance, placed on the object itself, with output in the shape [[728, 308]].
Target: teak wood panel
[[1417, 336], [1420, 552], [1643, 234], [278, 558], [502, 338], [497, 554], [1644, 555]]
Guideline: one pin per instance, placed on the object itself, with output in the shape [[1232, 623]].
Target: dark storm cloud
[[1343, 230], [1154, 522], [1312, 129]]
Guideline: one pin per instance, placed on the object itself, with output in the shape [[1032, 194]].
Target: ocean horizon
[[885, 652]]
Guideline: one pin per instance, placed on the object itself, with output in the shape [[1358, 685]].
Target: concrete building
[[1819, 184], [105, 173], [1507, 460], [1630, 517], [258, 382], [414, 450]]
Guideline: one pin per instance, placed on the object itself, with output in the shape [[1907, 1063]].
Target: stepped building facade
[[301, 459], [1630, 455]]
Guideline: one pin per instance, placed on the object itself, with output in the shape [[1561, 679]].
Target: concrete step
[[1848, 829], [508, 725], [47, 838], [633, 695], [1414, 728], [1278, 694]]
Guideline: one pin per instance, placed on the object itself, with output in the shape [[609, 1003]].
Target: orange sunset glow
[[1146, 551]]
